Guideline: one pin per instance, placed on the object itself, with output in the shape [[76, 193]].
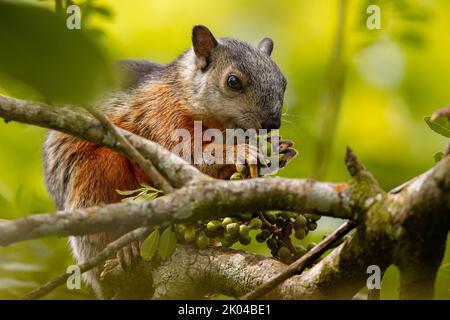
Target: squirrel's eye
[[234, 83]]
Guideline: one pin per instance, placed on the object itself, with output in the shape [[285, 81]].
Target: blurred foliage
[[59, 64], [395, 77]]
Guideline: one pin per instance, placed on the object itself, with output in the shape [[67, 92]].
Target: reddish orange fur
[[101, 171]]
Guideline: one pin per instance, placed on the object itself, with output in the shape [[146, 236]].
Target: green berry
[[244, 230], [300, 222], [300, 233], [190, 235], [272, 244], [236, 176], [226, 242], [232, 237], [180, 229], [232, 228], [284, 253], [213, 225], [226, 221], [245, 240], [263, 235], [255, 223], [270, 216], [202, 240]]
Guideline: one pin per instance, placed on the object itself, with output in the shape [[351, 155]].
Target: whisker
[[287, 121], [295, 116]]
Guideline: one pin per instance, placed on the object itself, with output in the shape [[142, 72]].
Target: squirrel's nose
[[271, 123]]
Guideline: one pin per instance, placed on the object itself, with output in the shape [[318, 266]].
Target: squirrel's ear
[[266, 46], [203, 42]]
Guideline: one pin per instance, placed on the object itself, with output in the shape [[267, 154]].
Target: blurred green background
[[391, 79]]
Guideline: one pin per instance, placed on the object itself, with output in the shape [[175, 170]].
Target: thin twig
[[131, 151], [299, 265], [109, 250]]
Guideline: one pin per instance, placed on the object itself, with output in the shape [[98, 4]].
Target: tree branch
[[77, 123], [216, 198], [420, 228]]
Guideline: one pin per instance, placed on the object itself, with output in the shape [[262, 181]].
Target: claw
[[135, 248], [253, 170], [249, 159], [128, 255], [287, 155], [284, 145]]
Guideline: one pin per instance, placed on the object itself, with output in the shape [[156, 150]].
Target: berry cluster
[[275, 228]]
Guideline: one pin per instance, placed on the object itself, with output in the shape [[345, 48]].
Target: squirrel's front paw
[[286, 152], [248, 160], [128, 255]]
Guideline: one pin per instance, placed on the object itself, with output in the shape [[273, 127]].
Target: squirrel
[[225, 83]]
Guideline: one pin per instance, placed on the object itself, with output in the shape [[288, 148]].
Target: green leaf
[[145, 193], [62, 65], [127, 192], [440, 125], [128, 199], [150, 188], [438, 156], [147, 196], [167, 243], [145, 185], [150, 245]]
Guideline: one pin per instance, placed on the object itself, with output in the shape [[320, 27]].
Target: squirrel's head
[[233, 83]]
